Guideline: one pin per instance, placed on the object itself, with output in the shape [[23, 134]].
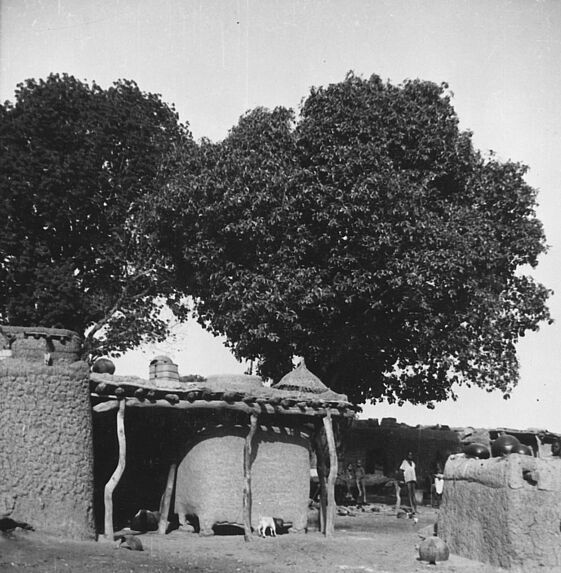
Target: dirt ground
[[369, 541]]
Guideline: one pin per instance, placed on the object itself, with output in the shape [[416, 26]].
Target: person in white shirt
[[407, 468]]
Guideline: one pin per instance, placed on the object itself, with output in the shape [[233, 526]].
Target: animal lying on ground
[[264, 524], [131, 542], [145, 520], [8, 524]]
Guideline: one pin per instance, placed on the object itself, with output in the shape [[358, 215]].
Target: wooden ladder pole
[[114, 479], [247, 477]]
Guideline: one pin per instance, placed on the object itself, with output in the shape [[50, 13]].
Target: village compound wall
[[505, 511], [46, 454]]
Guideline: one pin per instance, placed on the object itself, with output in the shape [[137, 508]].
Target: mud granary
[[82, 452]]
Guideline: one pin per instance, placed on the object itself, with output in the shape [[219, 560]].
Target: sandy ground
[[367, 542]]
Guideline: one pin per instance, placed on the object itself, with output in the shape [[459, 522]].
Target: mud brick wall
[[504, 511], [383, 446], [46, 453]]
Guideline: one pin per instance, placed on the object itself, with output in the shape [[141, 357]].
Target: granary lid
[[301, 380], [161, 360]]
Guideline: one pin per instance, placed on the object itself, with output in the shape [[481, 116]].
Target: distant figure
[[360, 480], [407, 468], [349, 482], [438, 483]]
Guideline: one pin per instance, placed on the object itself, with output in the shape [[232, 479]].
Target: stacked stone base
[[504, 511]]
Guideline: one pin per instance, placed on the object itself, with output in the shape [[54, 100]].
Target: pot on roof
[[163, 372]]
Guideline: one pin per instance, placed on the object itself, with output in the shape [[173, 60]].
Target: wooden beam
[[333, 469], [166, 500], [247, 477], [114, 479], [111, 403]]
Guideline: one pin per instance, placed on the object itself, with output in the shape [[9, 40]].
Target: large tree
[[367, 235], [79, 165]]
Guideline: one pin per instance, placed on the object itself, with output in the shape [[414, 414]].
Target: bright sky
[[217, 59]]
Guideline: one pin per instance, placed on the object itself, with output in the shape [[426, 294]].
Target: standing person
[[438, 483], [360, 476], [410, 478], [349, 482]]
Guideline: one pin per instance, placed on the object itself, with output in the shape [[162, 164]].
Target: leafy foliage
[[78, 167], [368, 236]]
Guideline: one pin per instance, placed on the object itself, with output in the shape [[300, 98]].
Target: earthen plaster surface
[[504, 511], [46, 456]]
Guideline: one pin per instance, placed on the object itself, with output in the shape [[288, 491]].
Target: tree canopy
[[78, 166], [367, 235]]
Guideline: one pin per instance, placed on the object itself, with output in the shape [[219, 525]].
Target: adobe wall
[[46, 454], [383, 446], [504, 511]]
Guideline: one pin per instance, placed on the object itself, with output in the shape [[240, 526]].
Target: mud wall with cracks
[[46, 453], [504, 511]]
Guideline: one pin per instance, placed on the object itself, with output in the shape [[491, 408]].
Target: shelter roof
[[235, 391]]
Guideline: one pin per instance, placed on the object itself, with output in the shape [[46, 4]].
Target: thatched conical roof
[[301, 380]]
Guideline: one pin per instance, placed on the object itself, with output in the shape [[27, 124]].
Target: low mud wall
[[46, 454], [504, 511]]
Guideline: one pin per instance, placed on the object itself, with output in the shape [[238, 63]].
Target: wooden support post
[[322, 501], [333, 469], [165, 501], [247, 477], [114, 479], [321, 467]]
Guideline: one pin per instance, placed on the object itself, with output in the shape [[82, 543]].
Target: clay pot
[[103, 366], [433, 549], [524, 450], [504, 445], [475, 450]]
